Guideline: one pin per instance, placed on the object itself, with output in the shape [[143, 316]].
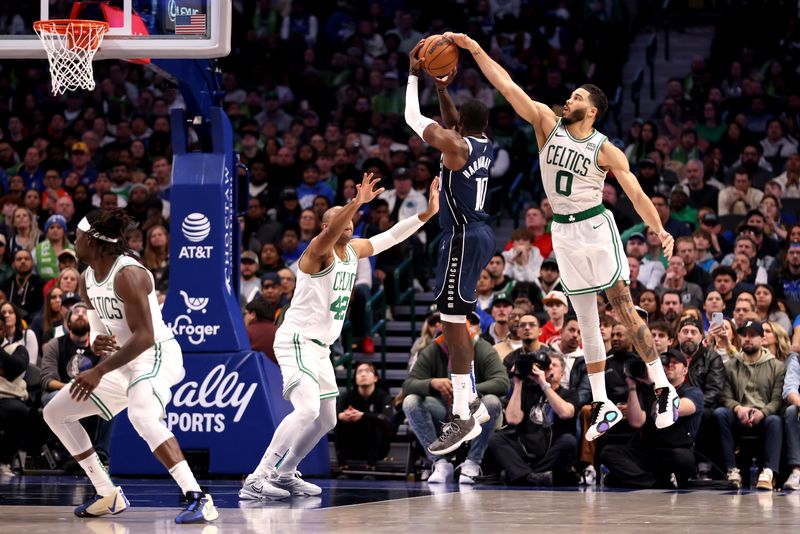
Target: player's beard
[[574, 116]]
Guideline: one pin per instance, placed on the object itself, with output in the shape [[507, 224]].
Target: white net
[[71, 46]]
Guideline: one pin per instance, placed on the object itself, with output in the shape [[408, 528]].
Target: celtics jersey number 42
[[320, 300]]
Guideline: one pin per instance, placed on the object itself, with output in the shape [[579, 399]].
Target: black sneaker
[[454, 434], [539, 479]]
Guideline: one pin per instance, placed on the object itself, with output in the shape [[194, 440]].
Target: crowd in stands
[[315, 94]]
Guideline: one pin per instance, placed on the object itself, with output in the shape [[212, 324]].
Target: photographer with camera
[[540, 450], [658, 454]]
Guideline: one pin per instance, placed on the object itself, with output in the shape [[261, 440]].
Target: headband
[[84, 226]]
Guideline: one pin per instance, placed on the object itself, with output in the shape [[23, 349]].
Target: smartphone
[[716, 318]]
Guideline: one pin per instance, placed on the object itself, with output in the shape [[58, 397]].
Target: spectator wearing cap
[[657, 454], [679, 205], [404, 201], [390, 101], [549, 276], [271, 293], [701, 194], [652, 177], [499, 329], [556, 306], [523, 260], [259, 321], [536, 223], [311, 187], [80, 158], [672, 225], [249, 283], [650, 271], [751, 404], [740, 197]]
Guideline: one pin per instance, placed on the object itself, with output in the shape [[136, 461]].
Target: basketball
[[441, 55]]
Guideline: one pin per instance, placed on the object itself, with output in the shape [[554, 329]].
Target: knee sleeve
[[589, 323], [62, 415], [327, 415], [305, 400], [145, 414]]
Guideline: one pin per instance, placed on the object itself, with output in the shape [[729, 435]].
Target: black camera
[[526, 361], [636, 369]]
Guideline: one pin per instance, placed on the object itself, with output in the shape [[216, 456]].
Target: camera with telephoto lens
[[526, 361], [636, 369]]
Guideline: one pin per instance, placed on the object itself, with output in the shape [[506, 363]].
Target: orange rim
[[76, 26]]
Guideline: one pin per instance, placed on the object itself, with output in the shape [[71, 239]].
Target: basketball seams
[[441, 56]]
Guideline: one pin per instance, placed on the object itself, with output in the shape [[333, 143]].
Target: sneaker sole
[[474, 433], [253, 496], [764, 486]]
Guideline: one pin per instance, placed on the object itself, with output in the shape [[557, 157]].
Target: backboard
[[181, 29]]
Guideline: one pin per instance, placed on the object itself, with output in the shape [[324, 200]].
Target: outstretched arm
[[614, 159], [319, 249], [539, 115], [453, 147], [446, 106], [400, 231]]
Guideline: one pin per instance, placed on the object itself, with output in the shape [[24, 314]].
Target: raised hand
[[365, 191], [415, 63], [443, 82], [433, 201], [667, 243], [462, 40]]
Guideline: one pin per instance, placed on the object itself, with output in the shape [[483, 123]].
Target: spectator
[[701, 194], [786, 281], [363, 431], [311, 187], [671, 305], [249, 283], [672, 225], [724, 340], [687, 250], [575, 374], [271, 293], [675, 280], [679, 205], [289, 282], [512, 341], [25, 232], [650, 302], [259, 320], [64, 357], [46, 253], [767, 308], [739, 198], [549, 277], [499, 329], [503, 285], [789, 180], [791, 418], [484, 294], [536, 223], [659, 454], [270, 260], [704, 258], [431, 328], [428, 392], [662, 333], [713, 304], [756, 167], [542, 447], [650, 272], [523, 260], [556, 305], [13, 394], [25, 288], [156, 256], [745, 309], [724, 279], [751, 401], [48, 323], [776, 340]]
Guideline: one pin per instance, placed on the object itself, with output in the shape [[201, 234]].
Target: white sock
[[184, 477], [461, 391], [655, 370], [270, 462], [98, 475], [598, 382], [473, 391]]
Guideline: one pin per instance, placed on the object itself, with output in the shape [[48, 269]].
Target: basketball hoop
[[71, 45]]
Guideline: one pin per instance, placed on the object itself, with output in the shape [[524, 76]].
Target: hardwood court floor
[[34, 505]]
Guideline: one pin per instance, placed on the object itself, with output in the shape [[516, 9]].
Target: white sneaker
[[469, 471], [666, 406], [793, 482], [589, 476], [735, 477], [6, 471], [604, 415], [294, 484], [765, 479], [260, 488], [442, 472]]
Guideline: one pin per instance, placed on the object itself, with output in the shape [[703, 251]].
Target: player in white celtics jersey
[[140, 361], [574, 160], [325, 277]]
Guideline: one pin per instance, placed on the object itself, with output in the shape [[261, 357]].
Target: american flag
[[190, 24]]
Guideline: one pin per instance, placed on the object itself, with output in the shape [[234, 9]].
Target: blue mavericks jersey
[[463, 191]]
